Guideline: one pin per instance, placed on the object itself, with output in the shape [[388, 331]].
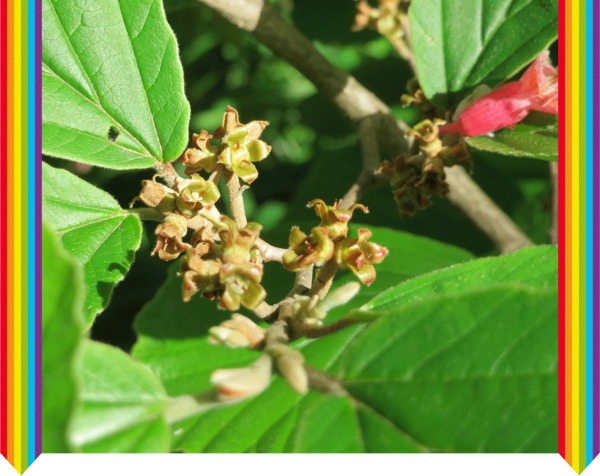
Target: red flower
[[536, 90]]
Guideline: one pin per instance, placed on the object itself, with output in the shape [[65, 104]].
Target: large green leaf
[[112, 83], [465, 372], [459, 44], [521, 141], [535, 266], [120, 405], [62, 325], [173, 342], [93, 228]]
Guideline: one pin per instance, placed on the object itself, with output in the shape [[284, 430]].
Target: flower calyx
[[202, 155], [307, 250], [333, 219], [237, 151], [198, 194], [359, 255], [169, 243]]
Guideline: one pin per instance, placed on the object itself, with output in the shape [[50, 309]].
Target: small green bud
[[197, 195]]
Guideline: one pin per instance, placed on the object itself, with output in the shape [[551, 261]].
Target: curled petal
[[257, 150], [246, 171], [255, 129]]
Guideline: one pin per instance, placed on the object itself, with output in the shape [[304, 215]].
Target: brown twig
[[475, 203], [270, 252], [358, 103], [324, 279], [236, 200]]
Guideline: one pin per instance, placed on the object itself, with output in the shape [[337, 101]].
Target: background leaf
[[120, 405], [112, 83], [93, 228], [62, 325], [522, 141], [459, 44], [173, 342]]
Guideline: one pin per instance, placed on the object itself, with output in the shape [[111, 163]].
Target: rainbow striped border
[[579, 236], [20, 232], [579, 224]]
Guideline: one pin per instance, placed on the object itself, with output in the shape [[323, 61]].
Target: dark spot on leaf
[[113, 133]]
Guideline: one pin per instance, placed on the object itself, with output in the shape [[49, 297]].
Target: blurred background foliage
[[315, 151]]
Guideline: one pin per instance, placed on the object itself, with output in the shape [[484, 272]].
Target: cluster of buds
[[239, 146], [177, 205], [387, 20], [229, 271], [415, 179], [330, 240]]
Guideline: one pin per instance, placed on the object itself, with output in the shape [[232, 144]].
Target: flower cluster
[[416, 178], [537, 90], [177, 205], [238, 148], [229, 271], [330, 240]]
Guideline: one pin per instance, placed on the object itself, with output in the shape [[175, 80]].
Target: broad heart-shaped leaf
[[120, 404], [62, 325], [94, 229], [459, 44], [112, 83], [173, 342], [520, 142], [475, 371]]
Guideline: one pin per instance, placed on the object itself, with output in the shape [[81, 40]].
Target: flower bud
[[254, 334], [338, 297], [239, 384], [290, 363], [229, 337]]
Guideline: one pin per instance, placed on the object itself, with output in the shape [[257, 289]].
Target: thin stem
[[323, 382], [236, 200], [324, 279], [270, 252], [147, 214]]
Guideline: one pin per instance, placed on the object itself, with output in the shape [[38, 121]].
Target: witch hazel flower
[[537, 90]]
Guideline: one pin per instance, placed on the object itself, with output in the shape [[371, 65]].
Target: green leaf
[[112, 84], [535, 266], [120, 405], [62, 325], [94, 229], [466, 372], [173, 342], [520, 142], [459, 44]]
